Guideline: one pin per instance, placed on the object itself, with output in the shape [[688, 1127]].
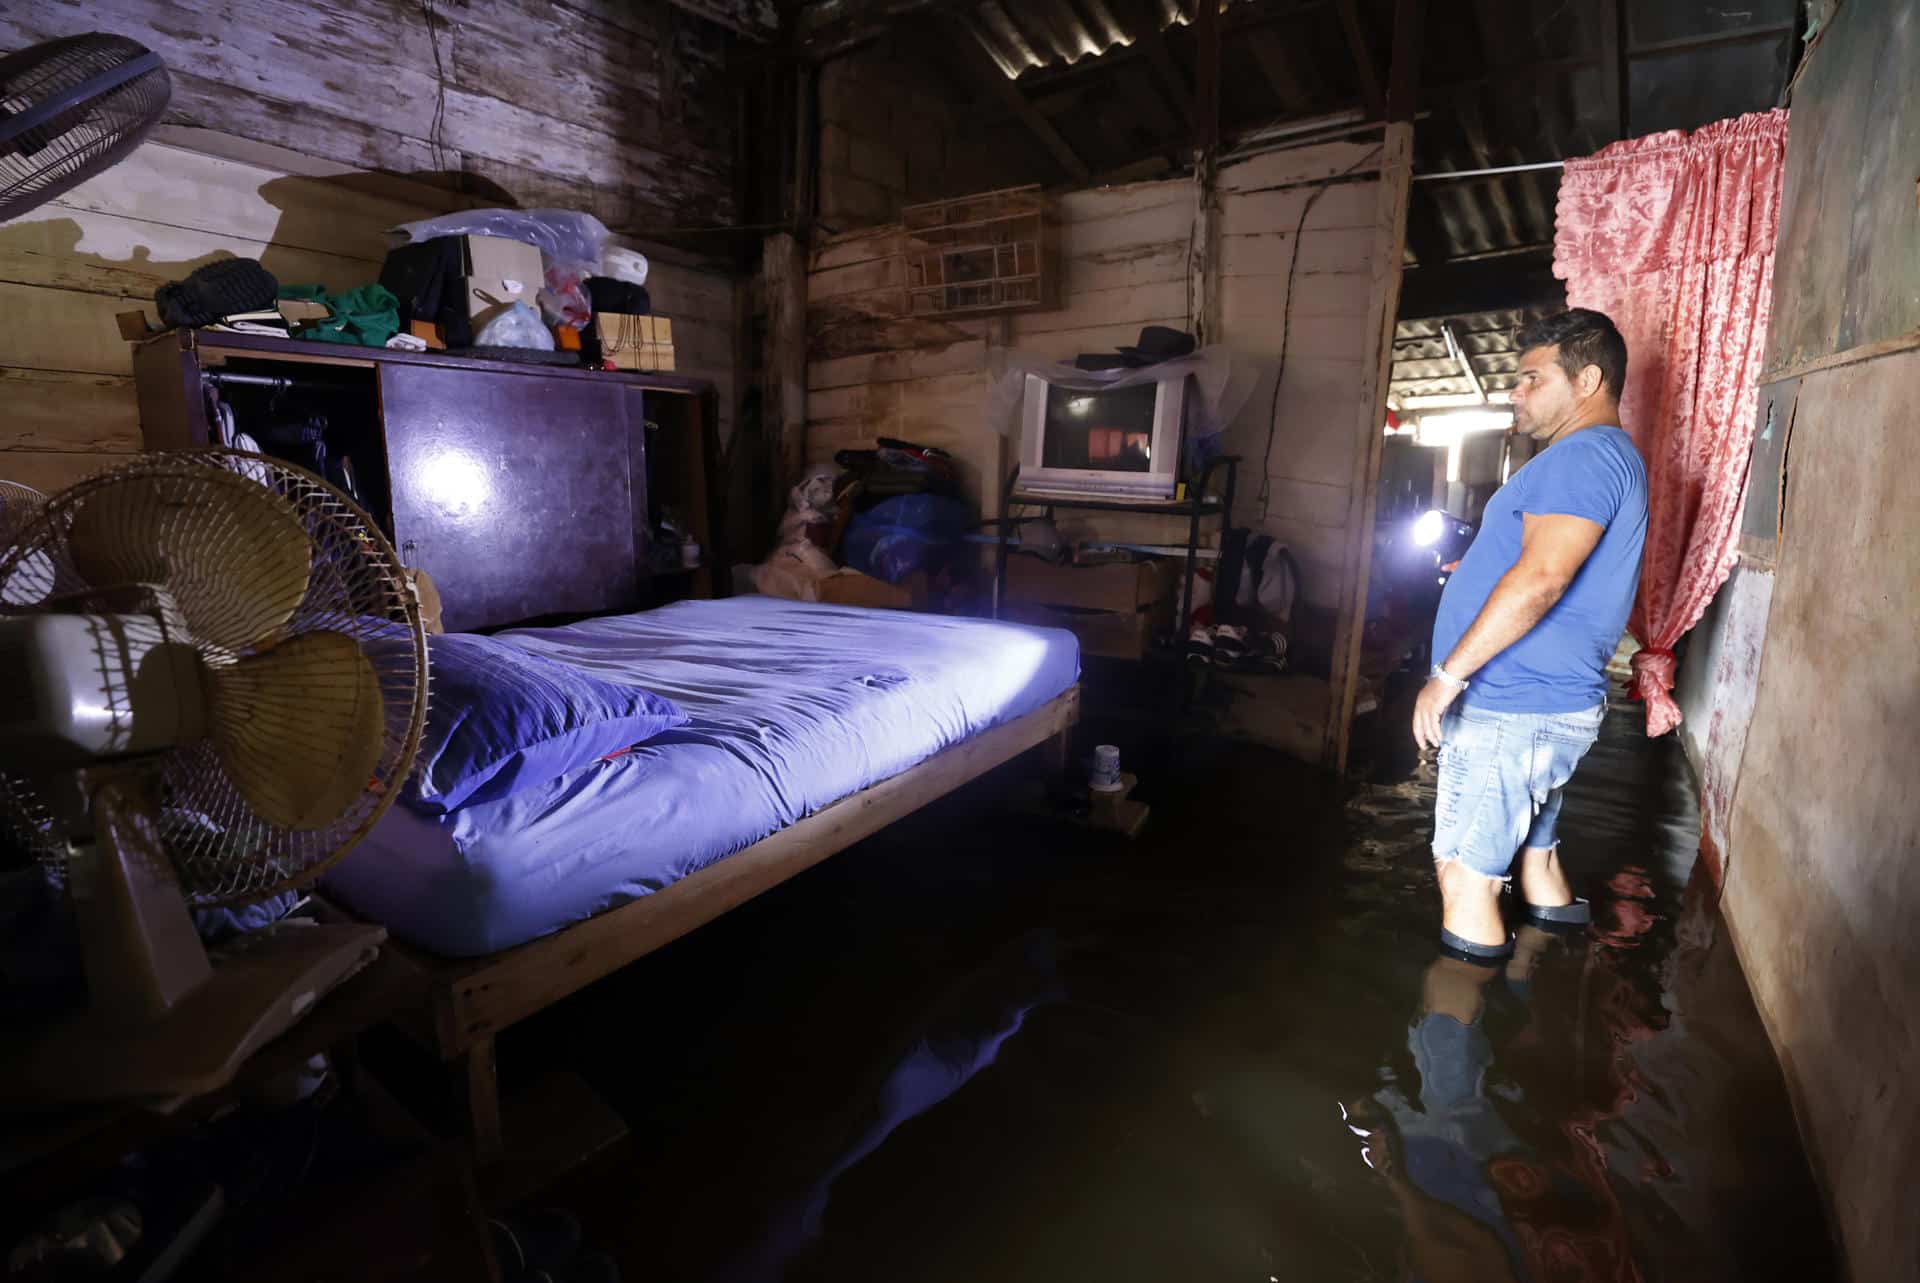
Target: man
[[1525, 630]]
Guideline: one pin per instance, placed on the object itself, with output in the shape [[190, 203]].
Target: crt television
[[1121, 443]]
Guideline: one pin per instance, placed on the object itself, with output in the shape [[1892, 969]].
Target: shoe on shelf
[[1268, 652], [1200, 645], [1229, 645]]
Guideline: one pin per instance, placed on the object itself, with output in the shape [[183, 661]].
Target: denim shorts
[[1500, 780]]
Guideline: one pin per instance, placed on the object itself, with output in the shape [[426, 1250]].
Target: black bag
[[611, 294], [221, 288], [428, 279]]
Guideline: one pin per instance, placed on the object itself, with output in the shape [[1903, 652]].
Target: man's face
[[1544, 398]]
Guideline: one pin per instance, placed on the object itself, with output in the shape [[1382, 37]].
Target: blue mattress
[[792, 706]]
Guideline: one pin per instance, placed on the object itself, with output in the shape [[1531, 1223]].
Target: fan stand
[[165, 1024]]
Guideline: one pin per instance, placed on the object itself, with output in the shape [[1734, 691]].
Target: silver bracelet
[[1458, 683]]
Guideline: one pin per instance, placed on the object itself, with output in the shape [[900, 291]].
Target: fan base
[[271, 980]]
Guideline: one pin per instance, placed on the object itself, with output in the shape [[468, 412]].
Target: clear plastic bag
[[518, 326], [566, 236], [564, 300]]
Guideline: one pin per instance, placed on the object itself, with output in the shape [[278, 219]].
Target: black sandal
[[1465, 950], [1550, 916]]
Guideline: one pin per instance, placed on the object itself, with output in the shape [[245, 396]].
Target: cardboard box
[[1112, 634], [429, 333], [1121, 586], [633, 342], [851, 588], [499, 274]]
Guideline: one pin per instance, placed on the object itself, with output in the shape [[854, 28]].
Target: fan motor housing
[[93, 687]]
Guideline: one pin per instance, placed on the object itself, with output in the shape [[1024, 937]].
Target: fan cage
[[221, 850], [99, 96]]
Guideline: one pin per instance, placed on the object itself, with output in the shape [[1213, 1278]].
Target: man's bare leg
[[1470, 904], [1542, 881]]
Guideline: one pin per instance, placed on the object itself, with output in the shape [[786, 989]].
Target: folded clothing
[[503, 718], [367, 316]]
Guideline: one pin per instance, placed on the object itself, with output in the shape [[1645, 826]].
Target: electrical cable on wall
[[1286, 325], [437, 130]]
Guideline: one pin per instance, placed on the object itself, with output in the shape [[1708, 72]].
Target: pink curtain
[[1672, 236]]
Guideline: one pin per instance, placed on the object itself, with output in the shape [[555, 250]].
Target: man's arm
[[1552, 550]]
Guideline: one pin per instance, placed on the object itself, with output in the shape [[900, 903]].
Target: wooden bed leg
[[483, 1101], [1058, 751]]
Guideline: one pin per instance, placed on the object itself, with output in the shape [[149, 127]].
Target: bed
[[810, 727]]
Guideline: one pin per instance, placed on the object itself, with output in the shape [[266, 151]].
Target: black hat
[[1158, 343]]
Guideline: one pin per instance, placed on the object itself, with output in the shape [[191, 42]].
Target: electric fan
[[70, 108], [216, 689], [19, 505]]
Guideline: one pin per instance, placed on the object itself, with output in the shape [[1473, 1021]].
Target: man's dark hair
[[1584, 338]]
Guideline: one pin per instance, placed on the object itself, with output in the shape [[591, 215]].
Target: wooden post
[[1202, 297], [1058, 753], [483, 1099], [1389, 245], [1206, 80], [1364, 69], [1613, 69], [1403, 85], [784, 407]]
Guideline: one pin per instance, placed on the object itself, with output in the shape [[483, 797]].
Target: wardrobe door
[[512, 490]]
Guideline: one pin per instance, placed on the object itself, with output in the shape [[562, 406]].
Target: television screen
[[1109, 431], [1105, 442]]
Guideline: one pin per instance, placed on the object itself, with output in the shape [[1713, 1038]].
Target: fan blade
[[300, 728], [232, 553]]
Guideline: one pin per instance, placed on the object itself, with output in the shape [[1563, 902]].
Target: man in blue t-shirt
[[1525, 630]]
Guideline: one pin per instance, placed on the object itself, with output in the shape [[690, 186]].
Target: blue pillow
[[503, 719]]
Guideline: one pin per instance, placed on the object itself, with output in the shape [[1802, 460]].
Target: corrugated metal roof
[[1423, 365], [1025, 35], [1502, 82]]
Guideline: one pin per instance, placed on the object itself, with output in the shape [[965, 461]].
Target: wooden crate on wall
[[979, 254]]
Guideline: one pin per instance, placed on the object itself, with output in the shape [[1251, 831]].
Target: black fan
[[70, 108]]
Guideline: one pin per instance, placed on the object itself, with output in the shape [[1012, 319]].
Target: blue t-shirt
[[1560, 666]]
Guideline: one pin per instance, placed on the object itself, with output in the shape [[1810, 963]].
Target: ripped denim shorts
[[1501, 776]]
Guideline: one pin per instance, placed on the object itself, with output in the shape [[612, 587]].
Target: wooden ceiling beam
[[1144, 26], [826, 29], [1403, 85], [1613, 70], [1366, 72], [1271, 55], [755, 19], [1010, 96], [1206, 56]]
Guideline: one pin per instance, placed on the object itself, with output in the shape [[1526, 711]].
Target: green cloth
[[368, 316]]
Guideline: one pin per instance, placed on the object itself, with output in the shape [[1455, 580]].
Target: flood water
[[990, 1045]]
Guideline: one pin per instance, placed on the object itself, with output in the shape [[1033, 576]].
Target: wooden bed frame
[[471, 1000]]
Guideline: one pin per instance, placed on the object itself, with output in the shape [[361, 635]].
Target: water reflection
[[959, 1035], [1476, 1200], [1157, 1092]]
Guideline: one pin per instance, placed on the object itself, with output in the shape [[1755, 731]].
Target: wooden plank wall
[[1319, 320], [67, 268], [622, 109], [1845, 275], [876, 372], [1814, 688]]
